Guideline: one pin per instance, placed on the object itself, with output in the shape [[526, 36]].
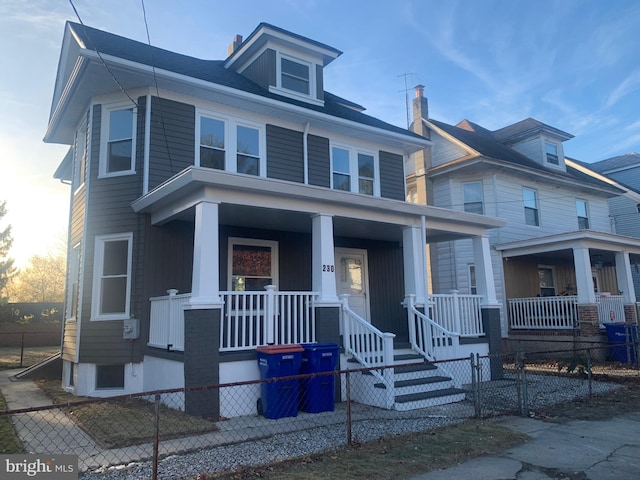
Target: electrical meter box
[[131, 329]]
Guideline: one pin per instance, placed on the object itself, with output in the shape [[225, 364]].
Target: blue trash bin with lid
[[317, 393], [622, 337], [279, 398]]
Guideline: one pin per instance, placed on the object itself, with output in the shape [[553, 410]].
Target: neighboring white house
[[558, 264]]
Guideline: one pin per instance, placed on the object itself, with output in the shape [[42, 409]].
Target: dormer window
[[551, 150], [294, 75]]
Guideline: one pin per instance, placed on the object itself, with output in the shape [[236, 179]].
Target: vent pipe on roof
[[237, 40]]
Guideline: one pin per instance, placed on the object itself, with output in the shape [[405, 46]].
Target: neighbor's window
[[112, 277], [473, 286], [472, 192], [117, 151], [295, 76], [546, 281], [583, 215], [530, 200], [253, 264], [212, 153], [551, 149], [109, 376]]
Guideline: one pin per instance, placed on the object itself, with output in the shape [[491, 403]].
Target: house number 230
[[328, 268]]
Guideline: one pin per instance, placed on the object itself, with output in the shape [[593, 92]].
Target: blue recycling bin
[[280, 398], [622, 338], [317, 393]]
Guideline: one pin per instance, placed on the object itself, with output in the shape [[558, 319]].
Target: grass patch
[[127, 421], [393, 457], [9, 442], [10, 356]]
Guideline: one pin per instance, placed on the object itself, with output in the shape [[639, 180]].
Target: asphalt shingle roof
[[615, 163], [214, 71]]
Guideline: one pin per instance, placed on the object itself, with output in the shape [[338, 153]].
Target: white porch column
[[584, 278], [205, 286], [625, 278], [323, 267], [484, 270], [414, 259]]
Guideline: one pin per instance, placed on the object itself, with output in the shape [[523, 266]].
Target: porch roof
[[581, 238], [250, 201]]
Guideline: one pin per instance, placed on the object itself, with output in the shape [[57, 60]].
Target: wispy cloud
[[628, 85]]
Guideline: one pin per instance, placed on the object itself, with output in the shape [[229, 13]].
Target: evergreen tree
[[6, 263]]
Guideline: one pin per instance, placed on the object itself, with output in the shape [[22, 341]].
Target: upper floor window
[[118, 141], [583, 214], [112, 276], [530, 201], [353, 171], [295, 75], [226, 144], [551, 150], [472, 192]]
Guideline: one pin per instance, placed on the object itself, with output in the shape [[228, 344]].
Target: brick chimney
[[237, 40], [421, 161], [420, 111]]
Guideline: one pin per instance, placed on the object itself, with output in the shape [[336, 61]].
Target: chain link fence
[[182, 432]]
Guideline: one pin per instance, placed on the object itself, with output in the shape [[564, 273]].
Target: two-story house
[[559, 266], [221, 205]]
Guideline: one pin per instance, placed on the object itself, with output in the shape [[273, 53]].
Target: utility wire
[[100, 56]]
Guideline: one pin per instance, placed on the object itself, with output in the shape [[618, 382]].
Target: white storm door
[[352, 278]]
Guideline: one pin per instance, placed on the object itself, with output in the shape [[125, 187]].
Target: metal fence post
[[479, 385], [348, 387], [589, 377], [521, 382], [156, 443], [21, 349]]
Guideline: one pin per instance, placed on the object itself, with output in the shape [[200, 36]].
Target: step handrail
[[421, 333]]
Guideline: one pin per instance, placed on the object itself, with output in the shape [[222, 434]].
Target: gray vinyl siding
[[263, 69], [628, 176], [109, 211], [391, 176], [172, 139], [285, 154], [319, 163]]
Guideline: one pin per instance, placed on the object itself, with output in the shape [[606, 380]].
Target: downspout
[[305, 152], [147, 143]]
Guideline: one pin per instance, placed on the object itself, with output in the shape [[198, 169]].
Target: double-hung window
[[295, 75], [252, 264], [225, 143], [583, 214], [118, 140], [551, 151], [472, 193], [353, 171], [112, 276], [530, 201]]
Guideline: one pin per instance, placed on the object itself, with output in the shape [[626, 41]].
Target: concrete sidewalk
[[595, 450]]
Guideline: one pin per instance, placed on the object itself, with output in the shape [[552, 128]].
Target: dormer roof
[[528, 128]]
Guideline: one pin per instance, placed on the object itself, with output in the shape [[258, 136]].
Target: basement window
[[109, 376]]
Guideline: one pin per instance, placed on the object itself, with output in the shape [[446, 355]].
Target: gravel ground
[[498, 397]]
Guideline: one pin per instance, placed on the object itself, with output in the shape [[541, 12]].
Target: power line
[[100, 56]]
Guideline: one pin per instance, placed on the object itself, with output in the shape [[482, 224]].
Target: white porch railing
[[610, 308], [548, 313], [369, 346], [166, 328], [250, 319], [457, 313], [428, 338]]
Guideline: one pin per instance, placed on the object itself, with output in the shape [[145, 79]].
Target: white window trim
[[354, 176], [254, 242], [586, 208], [231, 125], [553, 276], [279, 89], [104, 138], [464, 200], [524, 207], [98, 262]]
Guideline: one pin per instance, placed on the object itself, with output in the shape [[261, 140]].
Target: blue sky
[[573, 64]]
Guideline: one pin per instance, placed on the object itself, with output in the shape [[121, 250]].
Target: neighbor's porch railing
[[543, 313], [369, 346], [249, 319], [457, 313], [428, 338]]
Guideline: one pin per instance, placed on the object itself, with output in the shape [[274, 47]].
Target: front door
[[352, 278]]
